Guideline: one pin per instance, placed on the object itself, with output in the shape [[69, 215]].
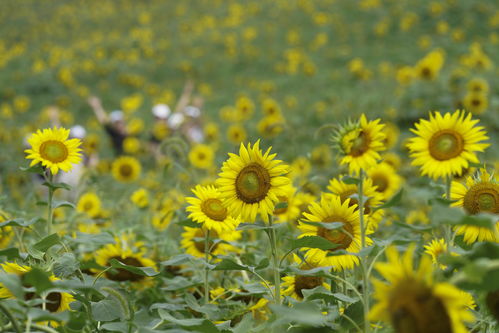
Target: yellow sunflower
[[251, 182], [294, 285], [6, 233], [90, 204], [435, 249], [412, 302], [53, 150], [386, 180], [207, 208], [130, 253], [55, 301], [446, 144], [236, 134], [479, 194], [126, 169], [201, 156], [351, 192], [476, 102], [291, 212], [161, 220], [332, 209], [360, 143], [140, 198], [193, 241]]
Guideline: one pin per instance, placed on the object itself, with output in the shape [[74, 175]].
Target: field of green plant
[[249, 166]]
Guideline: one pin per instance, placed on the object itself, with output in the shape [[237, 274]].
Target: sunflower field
[[249, 166]]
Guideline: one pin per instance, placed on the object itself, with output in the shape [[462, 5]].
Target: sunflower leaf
[[281, 205], [37, 168], [482, 220], [55, 186], [144, 271], [350, 180], [394, 201], [47, 243], [189, 223], [10, 253], [177, 260], [19, 222], [314, 242], [38, 279], [325, 225], [57, 204]]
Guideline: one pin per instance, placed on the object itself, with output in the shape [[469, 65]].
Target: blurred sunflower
[[207, 208], [413, 302], [270, 126], [332, 209], [6, 232], [55, 301], [350, 192], [53, 150], [479, 194], [193, 241], [162, 219], [294, 285], [131, 145], [90, 204], [236, 134], [201, 156], [251, 181], [126, 169], [386, 180], [445, 145], [359, 143], [435, 249], [475, 102], [291, 211], [140, 198]]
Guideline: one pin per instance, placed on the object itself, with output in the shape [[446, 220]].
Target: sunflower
[[201, 156], [270, 126], [429, 67], [359, 143], [332, 209], [236, 134], [435, 249], [131, 145], [392, 133], [129, 253], [321, 156], [291, 212], [6, 233], [445, 145], [478, 85], [55, 301], [126, 169], [476, 102], [393, 160], [162, 219], [294, 285], [140, 198], [53, 150], [193, 241], [251, 182], [478, 195], [90, 204], [207, 208], [385, 179], [412, 302], [350, 192], [299, 168]]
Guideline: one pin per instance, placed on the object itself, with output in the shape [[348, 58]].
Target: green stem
[[448, 228], [206, 268], [275, 260], [9, 315], [363, 259], [49, 203]]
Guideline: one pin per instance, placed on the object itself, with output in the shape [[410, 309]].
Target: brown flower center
[[353, 196], [214, 209], [360, 144], [252, 183], [482, 197], [446, 144], [342, 237], [126, 170], [306, 282], [54, 151], [380, 181]]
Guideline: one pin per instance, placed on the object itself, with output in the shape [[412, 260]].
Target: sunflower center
[[200, 244], [342, 237], [252, 183], [360, 144], [353, 196], [476, 102], [126, 170], [426, 72], [88, 206], [214, 209], [121, 274], [446, 144], [414, 309], [54, 151], [282, 210], [306, 282], [482, 197], [381, 182]]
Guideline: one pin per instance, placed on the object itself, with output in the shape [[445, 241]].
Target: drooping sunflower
[[446, 144], [251, 182], [480, 194], [373, 199], [360, 143], [193, 241], [90, 204], [126, 169], [333, 209], [55, 301], [207, 208], [412, 302], [386, 180], [52, 148], [128, 252]]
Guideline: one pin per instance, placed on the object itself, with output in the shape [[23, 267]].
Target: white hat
[[192, 111], [116, 115], [161, 111], [78, 132], [175, 120]]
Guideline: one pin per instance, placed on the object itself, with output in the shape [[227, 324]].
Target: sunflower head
[[52, 148], [126, 169]]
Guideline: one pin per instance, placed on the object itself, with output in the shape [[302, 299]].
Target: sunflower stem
[[12, 319], [447, 228], [206, 268], [49, 203], [275, 259], [363, 259]]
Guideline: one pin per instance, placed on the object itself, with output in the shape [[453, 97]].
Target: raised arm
[[96, 106]]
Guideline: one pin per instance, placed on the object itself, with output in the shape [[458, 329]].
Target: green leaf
[[394, 201], [315, 242], [189, 223], [325, 225], [38, 279], [55, 186], [12, 283], [418, 228], [19, 222], [230, 265], [344, 298], [259, 226], [281, 205], [57, 204], [37, 168], [143, 271], [300, 313], [482, 220], [106, 310], [178, 259], [95, 239], [350, 180], [10, 253], [66, 265], [200, 325], [47, 243]]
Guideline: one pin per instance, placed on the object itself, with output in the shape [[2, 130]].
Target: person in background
[[73, 177], [114, 124], [193, 125]]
